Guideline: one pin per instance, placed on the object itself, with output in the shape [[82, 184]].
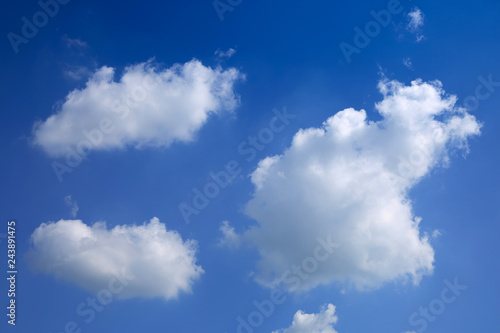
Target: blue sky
[[190, 107]]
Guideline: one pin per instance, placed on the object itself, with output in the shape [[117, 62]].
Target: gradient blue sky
[[290, 55]]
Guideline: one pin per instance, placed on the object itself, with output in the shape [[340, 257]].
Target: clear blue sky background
[[290, 54]]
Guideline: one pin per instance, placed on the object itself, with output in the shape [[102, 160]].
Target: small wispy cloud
[[75, 42], [415, 23], [229, 237], [77, 73], [76, 60], [72, 205], [407, 62], [228, 54]]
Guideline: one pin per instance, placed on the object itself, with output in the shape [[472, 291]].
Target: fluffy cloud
[[313, 323], [158, 262], [349, 180], [147, 106]]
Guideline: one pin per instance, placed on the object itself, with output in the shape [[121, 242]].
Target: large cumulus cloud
[[349, 179]]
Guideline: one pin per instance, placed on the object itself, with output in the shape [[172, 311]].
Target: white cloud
[[228, 54], [416, 22], [146, 107], [313, 323], [229, 237], [71, 204], [160, 262], [349, 180]]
